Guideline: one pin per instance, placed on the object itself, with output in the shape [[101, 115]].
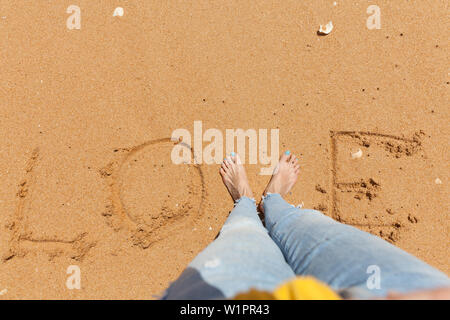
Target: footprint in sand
[[150, 195]]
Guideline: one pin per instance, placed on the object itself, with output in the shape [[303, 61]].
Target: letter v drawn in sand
[[151, 196], [22, 241]]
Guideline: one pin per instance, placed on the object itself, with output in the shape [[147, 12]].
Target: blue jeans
[[298, 242]]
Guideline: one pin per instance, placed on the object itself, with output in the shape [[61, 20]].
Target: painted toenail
[[287, 153], [232, 154]]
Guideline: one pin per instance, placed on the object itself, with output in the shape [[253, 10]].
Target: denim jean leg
[[242, 257], [342, 256]]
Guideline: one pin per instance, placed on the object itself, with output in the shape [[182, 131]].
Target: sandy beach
[[87, 176]]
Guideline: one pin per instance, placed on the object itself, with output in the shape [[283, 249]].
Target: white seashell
[[323, 30], [357, 154], [438, 181], [118, 12], [4, 291]]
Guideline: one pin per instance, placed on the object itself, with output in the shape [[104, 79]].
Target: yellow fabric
[[301, 288]]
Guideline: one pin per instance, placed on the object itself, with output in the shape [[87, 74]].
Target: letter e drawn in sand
[[150, 195], [22, 241], [365, 203]]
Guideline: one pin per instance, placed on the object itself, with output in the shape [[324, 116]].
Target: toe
[[224, 165], [227, 162], [294, 161], [285, 156], [222, 172]]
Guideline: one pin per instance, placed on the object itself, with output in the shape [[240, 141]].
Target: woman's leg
[[242, 257], [337, 254]]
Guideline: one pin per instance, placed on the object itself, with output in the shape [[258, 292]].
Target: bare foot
[[234, 177], [284, 176]]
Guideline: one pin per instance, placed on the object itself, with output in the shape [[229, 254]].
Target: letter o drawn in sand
[[150, 195]]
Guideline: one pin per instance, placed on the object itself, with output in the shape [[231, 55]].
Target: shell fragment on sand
[[324, 30], [438, 181], [118, 12], [357, 154], [4, 291]]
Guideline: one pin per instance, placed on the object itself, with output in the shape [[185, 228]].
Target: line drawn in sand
[[369, 189], [23, 241], [146, 199]]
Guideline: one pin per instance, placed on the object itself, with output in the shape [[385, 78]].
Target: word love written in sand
[[373, 21]]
